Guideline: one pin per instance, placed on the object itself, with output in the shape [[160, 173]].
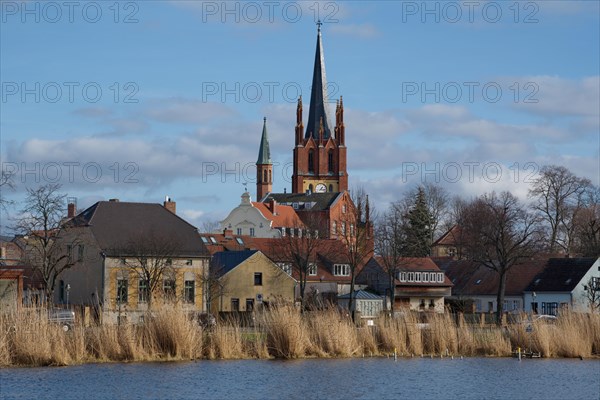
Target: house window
[[330, 187], [515, 305], [189, 292], [341, 269], [143, 291], [311, 160], [334, 227], [249, 304], [169, 262], [121, 291], [431, 304], [239, 231], [189, 262], [440, 277], [239, 241], [213, 240], [286, 267], [169, 289], [235, 304], [204, 240], [312, 269], [422, 304], [411, 276], [351, 229], [343, 209], [343, 228], [402, 276], [417, 277], [251, 231], [80, 252], [123, 261], [478, 305], [69, 252], [258, 279], [550, 308]]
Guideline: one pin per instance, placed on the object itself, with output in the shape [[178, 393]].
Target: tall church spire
[[264, 166], [318, 97], [264, 153]]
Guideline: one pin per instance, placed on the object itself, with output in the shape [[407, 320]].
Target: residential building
[[563, 284], [247, 280], [134, 256], [11, 289], [266, 220], [419, 284], [448, 245], [476, 286]]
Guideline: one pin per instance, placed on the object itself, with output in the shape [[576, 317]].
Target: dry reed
[[27, 338]]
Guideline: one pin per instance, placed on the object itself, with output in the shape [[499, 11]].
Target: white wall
[[246, 216]]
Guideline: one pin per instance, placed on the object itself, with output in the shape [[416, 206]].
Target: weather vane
[[319, 23]]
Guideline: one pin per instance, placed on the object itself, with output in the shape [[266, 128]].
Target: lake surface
[[371, 378]]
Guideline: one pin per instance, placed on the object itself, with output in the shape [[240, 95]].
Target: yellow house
[[247, 280], [132, 257]]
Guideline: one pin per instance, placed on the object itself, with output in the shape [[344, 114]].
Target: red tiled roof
[[449, 238], [285, 216]]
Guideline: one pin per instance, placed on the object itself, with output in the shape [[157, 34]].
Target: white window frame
[[312, 269], [341, 269]]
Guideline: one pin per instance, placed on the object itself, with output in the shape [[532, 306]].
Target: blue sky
[[138, 100]]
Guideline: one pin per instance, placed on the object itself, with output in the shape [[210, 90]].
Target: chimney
[[170, 205], [273, 206], [114, 200], [228, 233], [71, 207], [71, 210]]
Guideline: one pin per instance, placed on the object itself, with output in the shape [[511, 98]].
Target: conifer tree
[[418, 229]]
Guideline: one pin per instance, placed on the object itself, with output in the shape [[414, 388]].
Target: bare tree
[[298, 246], [587, 225], [211, 226], [357, 237], [499, 233], [592, 293], [6, 183], [149, 258], [558, 193], [40, 224], [214, 285], [390, 239]]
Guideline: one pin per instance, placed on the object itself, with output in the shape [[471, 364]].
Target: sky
[[138, 100]]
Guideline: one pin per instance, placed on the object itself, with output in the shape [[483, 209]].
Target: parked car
[[64, 318]]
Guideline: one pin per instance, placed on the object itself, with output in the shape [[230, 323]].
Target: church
[[319, 190]]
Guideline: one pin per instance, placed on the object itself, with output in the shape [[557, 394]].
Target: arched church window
[[311, 160], [330, 187], [330, 161], [265, 177]]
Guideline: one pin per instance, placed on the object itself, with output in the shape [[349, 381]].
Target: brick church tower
[[320, 152]]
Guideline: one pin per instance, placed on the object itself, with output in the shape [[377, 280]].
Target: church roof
[[264, 153], [305, 201], [318, 97]]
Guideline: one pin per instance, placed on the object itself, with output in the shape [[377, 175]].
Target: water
[[373, 378]]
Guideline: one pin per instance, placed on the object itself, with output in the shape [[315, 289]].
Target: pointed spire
[[318, 96], [264, 153]]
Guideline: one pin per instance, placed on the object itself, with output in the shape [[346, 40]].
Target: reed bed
[[27, 338]]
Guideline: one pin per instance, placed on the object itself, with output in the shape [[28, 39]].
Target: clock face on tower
[[320, 188]]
